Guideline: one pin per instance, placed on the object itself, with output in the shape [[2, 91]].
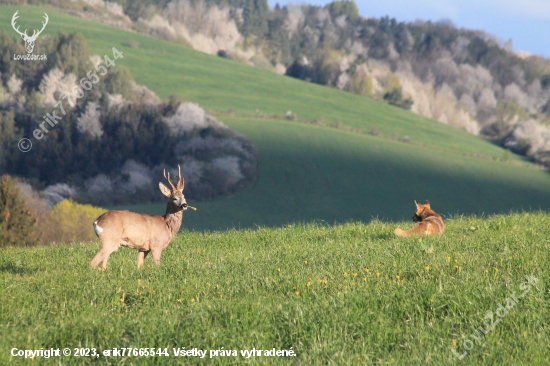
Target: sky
[[526, 22]]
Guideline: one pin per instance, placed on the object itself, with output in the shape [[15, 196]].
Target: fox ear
[[416, 203], [427, 203]]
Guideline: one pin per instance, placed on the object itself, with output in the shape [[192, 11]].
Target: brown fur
[[430, 222], [146, 233]]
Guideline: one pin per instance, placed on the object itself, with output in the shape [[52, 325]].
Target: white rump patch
[[98, 229]]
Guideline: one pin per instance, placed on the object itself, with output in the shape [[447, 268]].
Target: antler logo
[[29, 41]]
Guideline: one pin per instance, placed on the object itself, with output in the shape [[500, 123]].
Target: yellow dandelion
[[353, 283], [448, 258], [431, 300], [267, 278], [496, 269], [294, 288], [366, 269], [427, 268], [377, 274], [355, 275], [486, 271], [121, 299], [309, 283], [179, 300], [397, 277], [278, 269], [139, 280], [364, 278], [456, 267], [305, 262], [193, 300], [297, 293]]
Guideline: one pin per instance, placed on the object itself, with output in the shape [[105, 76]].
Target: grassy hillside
[[220, 84], [350, 294], [311, 172]]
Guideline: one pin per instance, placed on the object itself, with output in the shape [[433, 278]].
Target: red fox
[[429, 223]]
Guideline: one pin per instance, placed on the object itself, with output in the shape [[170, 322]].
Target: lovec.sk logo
[[29, 41]]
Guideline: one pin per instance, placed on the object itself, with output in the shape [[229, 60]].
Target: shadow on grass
[[13, 268]]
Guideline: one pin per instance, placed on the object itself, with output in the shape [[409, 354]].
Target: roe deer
[[430, 222], [146, 233]]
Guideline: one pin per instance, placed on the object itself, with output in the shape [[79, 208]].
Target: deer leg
[[106, 258], [98, 258], [103, 255], [156, 257], [141, 258]]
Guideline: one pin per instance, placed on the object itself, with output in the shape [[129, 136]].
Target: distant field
[[308, 172], [344, 295], [313, 172]]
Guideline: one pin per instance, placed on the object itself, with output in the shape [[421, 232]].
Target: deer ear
[[165, 190]]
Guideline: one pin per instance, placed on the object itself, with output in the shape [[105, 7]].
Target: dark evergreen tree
[[16, 220], [255, 16]]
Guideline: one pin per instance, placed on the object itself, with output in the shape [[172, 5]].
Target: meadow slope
[[310, 172], [348, 294]]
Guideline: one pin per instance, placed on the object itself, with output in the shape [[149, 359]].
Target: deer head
[[176, 199], [29, 41]]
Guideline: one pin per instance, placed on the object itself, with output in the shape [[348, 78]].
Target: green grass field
[[310, 172], [348, 294]]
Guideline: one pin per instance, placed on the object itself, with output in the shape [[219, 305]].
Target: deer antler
[[180, 179], [43, 26], [168, 179], [13, 19]]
